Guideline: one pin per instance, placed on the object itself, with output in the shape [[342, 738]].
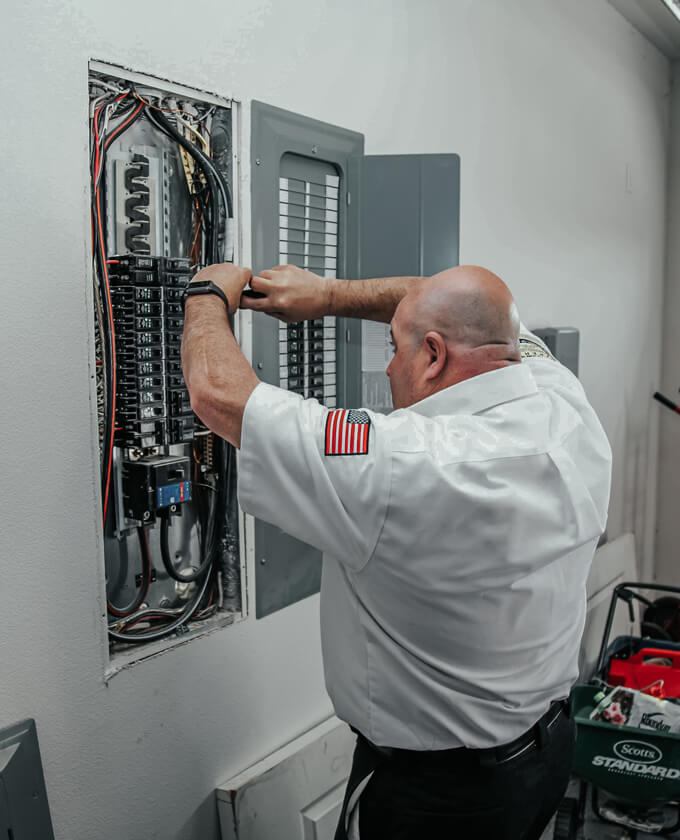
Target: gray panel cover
[[405, 220], [291, 570], [406, 212]]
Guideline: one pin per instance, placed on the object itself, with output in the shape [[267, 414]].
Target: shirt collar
[[479, 393]]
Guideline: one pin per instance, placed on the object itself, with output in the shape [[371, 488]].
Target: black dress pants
[[503, 794]]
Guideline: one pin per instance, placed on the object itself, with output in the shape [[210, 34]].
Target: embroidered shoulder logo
[[530, 348]]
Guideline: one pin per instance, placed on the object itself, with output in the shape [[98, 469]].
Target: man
[[457, 535]]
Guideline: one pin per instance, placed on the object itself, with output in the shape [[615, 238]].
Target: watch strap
[[205, 287]]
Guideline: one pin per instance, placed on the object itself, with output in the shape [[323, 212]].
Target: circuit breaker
[[319, 203], [162, 166]]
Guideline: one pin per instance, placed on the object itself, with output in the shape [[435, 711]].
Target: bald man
[[457, 533]]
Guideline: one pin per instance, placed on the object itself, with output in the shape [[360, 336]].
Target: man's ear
[[436, 350]]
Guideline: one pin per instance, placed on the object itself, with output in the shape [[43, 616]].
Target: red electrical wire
[[113, 353], [119, 129], [98, 162]]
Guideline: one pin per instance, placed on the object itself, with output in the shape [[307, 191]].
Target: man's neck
[[473, 361]]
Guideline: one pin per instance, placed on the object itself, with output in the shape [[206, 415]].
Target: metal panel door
[[299, 171], [405, 220]]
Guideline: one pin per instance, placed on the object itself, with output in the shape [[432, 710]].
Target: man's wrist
[[205, 289], [206, 303], [334, 295]]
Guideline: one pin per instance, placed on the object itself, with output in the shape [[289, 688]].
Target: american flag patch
[[347, 432]]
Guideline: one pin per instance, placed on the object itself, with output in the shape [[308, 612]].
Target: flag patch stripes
[[347, 432]]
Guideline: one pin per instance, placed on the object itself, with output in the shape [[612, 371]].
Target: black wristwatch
[[204, 287]]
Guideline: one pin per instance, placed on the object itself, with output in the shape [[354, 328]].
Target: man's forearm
[[217, 374], [374, 299], [295, 294]]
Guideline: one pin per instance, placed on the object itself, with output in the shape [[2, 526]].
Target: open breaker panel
[[162, 169], [162, 162]]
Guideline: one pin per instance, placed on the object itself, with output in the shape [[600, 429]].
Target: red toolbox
[[655, 671]]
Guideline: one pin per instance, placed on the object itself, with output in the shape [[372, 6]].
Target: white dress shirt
[[456, 549]]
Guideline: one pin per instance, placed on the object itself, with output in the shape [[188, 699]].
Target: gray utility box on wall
[[563, 343], [318, 202], [24, 810]]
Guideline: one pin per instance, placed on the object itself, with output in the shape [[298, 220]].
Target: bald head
[[468, 306], [455, 325]]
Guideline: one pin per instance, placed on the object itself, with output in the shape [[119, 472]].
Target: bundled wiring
[[156, 117], [229, 554], [100, 144], [213, 176], [181, 620]]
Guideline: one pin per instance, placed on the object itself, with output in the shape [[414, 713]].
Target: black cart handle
[[624, 592]]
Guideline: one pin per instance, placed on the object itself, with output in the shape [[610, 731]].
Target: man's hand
[[290, 294], [230, 278]]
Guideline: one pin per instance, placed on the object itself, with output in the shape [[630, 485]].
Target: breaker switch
[[152, 484]]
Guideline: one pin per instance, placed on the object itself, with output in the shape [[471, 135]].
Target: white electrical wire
[[194, 131]]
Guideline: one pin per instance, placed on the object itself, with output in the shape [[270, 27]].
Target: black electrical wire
[[189, 577], [153, 635], [133, 606], [157, 119], [212, 174]]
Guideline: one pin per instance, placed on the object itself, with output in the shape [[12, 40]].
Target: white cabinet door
[[294, 794]]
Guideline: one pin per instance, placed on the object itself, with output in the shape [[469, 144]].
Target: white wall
[[668, 541], [547, 103]]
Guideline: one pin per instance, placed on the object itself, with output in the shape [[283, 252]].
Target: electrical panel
[[339, 214], [162, 164]]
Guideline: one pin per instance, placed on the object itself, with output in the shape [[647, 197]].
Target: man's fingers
[[256, 303], [266, 306], [270, 272], [260, 283]]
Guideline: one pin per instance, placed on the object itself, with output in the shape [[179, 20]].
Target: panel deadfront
[[299, 217], [405, 222]]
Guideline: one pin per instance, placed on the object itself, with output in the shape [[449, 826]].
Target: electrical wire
[[139, 599], [161, 123], [188, 577], [213, 175], [102, 142], [153, 635], [195, 132]]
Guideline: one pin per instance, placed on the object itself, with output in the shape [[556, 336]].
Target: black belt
[[536, 736]]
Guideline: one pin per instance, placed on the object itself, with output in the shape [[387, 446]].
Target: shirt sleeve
[[335, 502]]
